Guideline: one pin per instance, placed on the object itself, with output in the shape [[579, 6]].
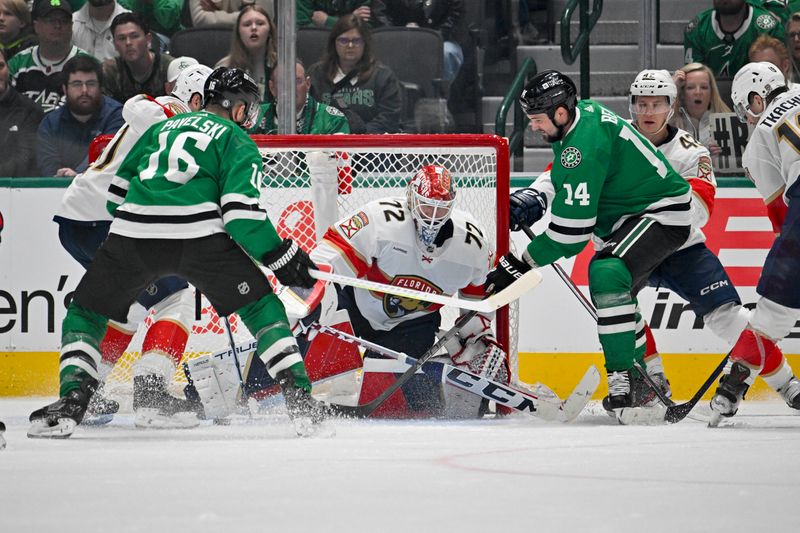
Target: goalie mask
[[431, 194], [227, 87]]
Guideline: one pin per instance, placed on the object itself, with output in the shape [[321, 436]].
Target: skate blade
[[148, 418], [40, 429]]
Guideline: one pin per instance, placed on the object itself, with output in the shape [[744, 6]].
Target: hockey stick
[[673, 413], [363, 411], [593, 312], [500, 299], [550, 409]]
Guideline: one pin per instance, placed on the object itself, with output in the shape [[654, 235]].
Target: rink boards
[[557, 337]]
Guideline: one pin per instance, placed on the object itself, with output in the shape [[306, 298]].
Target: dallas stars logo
[[570, 157]]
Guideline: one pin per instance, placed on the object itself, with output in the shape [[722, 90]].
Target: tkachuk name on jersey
[[208, 127], [776, 114]]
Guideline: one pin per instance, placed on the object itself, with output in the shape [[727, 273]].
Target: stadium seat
[[311, 44], [207, 44]]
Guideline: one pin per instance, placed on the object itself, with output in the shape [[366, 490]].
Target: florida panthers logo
[[397, 306]]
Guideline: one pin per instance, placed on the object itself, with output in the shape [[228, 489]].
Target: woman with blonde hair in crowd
[[771, 50], [698, 97], [253, 46]]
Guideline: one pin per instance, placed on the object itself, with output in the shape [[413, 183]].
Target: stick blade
[[583, 392]]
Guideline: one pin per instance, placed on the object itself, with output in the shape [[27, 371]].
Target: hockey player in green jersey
[[186, 203], [612, 187]]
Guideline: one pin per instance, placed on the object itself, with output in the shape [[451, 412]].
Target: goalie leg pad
[[217, 384]]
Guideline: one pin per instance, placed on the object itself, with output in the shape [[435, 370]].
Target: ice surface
[[515, 474]]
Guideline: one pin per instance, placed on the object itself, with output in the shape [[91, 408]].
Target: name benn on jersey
[[780, 109], [209, 127], [397, 306]]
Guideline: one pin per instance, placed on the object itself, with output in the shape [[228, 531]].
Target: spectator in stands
[[19, 117], [222, 12], [351, 79], [440, 15], [253, 47], [65, 134], [793, 44], [178, 65], [312, 116], [91, 28], [698, 96], [162, 16], [15, 27], [36, 71], [326, 13], [137, 69], [771, 50], [720, 37]]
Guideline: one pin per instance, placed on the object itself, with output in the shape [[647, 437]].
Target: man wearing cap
[[91, 27], [36, 71], [178, 65], [137, 69]]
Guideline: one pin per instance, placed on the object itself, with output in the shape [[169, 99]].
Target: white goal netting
[[309, 182]]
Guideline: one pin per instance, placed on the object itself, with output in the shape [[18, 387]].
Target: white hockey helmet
[[431, 194], [190, 81], [653, 83], [761, 78]]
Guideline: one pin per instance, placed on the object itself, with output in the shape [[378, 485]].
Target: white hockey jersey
[[85, 198], [772, 157], [380, 243], [691, 160]]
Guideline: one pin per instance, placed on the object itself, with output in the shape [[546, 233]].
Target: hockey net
[[311, 181]]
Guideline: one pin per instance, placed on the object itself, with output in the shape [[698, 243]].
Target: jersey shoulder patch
[[354, 224], [766, 21], [332, 111]]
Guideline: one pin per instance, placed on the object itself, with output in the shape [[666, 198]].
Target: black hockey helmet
[[229, 86], [546, 92]]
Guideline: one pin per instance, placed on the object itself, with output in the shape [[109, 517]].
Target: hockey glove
[[526, 206], [290, 264], [508, 270]]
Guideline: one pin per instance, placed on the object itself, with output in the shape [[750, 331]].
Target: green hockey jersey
[[725, 53], [191, 176], [604, 172], [38, 80]]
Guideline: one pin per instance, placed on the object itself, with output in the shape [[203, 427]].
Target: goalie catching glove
[[290, 264], [476, 349]]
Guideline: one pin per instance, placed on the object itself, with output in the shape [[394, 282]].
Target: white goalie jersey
[[772, 157], [380, 243], [85, 198]]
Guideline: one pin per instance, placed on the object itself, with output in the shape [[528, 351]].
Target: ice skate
[[59, 419], [155, 407], [730, 392], [660, 379], [619, 391], [101, 410], [306, 413], [791, 393]]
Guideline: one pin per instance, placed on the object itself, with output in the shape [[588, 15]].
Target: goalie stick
[[488, 305], [550, 409]]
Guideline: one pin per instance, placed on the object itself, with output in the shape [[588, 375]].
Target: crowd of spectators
[[68, 66]]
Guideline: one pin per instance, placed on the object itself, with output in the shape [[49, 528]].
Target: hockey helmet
[[653, 83], [228, 86], [546, 92], [761, 78], [430, 195], [191, 81]]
